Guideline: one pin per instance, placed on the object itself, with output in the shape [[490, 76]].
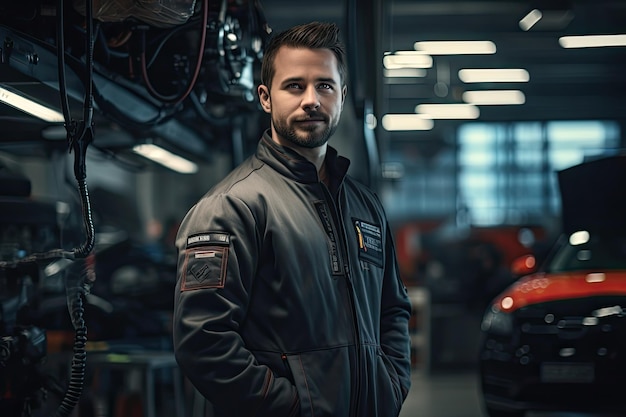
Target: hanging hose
[[77, 372], [79, 136]]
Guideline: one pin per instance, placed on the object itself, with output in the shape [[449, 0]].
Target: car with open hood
[[555, 339]]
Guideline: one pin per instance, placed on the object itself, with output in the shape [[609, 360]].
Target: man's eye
[[293, 85], [325, 86]]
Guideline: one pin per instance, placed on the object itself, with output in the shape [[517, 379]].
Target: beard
[[305, 138]]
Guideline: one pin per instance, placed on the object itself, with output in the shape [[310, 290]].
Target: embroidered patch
[[209, 238], [206, 261], [370, 242]]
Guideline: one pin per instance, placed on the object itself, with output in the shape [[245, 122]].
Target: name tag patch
[[209, 238], [370, 242]]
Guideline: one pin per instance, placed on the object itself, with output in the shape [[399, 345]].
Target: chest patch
[[369, 242], [206, 260]]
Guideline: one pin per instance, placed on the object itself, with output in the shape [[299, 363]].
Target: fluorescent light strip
[[448, 111], [404, 73], [530, 19], [494, 75], [31, 107], [592, 41], [494, 97], [546, 19], [395, 122], [456, 47], [166, 158], [407, 60]]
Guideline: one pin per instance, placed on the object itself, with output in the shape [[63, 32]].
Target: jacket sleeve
[[217, 247], [395, 314]]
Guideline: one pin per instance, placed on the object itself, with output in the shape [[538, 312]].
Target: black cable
[[79, 360], [79, 136], [176, 99], [161, 41]]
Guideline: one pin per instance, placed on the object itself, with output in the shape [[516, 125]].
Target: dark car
[[555, 340]]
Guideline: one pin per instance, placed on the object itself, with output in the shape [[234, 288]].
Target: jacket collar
[[291, 164]]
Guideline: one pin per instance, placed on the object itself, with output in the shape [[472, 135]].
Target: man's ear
[[264, 98]]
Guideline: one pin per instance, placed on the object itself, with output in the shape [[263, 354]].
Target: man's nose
[[310, 100]]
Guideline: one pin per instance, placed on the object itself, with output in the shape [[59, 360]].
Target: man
[[288, 300]]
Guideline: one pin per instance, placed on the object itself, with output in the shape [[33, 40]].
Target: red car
[[555, 340]]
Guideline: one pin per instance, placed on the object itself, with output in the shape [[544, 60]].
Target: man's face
[[306, 99]]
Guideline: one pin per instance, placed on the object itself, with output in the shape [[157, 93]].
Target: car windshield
[[583, 251]]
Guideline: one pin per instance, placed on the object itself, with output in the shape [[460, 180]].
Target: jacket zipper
[[337, 218]]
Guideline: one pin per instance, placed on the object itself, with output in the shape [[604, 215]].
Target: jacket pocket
[[389, 379], [322, 379]]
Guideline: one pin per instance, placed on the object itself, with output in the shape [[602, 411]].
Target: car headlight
[[496, 321]]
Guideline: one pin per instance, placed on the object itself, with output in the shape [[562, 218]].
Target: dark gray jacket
[[288, 300]]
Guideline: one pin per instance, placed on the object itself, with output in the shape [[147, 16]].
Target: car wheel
[[502, 413]]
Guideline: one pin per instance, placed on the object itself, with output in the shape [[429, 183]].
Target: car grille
[[585, 323], [578, 332], [565, 330], [589, 330]]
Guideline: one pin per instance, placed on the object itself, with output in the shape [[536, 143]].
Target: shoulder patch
[[206, 261]]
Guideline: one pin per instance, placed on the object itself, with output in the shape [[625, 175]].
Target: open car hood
[[593, 196]]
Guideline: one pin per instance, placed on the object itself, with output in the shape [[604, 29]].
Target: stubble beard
[[309, 139]]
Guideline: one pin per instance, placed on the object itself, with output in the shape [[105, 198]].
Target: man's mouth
[[312, 118]]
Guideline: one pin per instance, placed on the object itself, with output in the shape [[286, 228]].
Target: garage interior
[[467, 193]]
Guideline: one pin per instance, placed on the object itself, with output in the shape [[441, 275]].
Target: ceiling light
[[406, 122], [407, 59], [592, 41], [494, 75], [166, 158], [29, 106], [530, 19], [494, 97], [545, 19], [404, 73], [448, 111], [455, 47]]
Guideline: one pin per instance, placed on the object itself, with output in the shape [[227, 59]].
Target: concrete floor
[[449, 394], [455, 394]]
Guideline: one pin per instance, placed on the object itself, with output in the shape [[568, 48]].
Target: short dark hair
[[314, 35]]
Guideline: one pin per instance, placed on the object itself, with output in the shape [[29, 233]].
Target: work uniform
[[288, 300]]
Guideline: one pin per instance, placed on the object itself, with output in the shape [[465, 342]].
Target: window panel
[[501, 172]]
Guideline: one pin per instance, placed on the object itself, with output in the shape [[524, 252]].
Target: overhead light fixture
[[448, 111], [546, 19], [404, 73], [592, 41], [395, 122], [494, 75], [530, 19], [166, 158], [455, 47], [494, 97], [29, 106], [407, 59]]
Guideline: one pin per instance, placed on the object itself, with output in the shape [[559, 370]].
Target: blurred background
[[460, 115]]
